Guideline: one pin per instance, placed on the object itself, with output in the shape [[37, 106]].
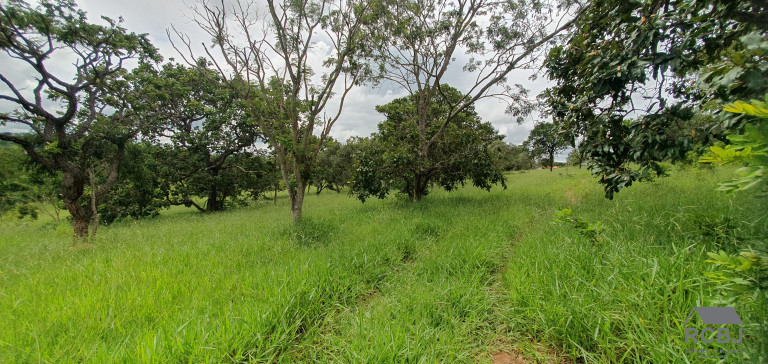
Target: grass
[[454, 278]]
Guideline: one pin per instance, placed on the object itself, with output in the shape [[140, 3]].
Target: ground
[[466, 276]]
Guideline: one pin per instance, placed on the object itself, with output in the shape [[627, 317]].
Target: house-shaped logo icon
[[716, 315], [713, 316]]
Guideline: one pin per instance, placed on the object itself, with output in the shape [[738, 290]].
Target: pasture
[[465, 276]]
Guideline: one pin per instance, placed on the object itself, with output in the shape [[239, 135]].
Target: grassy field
[[458, 277]]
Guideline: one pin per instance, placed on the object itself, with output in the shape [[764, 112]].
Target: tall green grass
[[453, 278]]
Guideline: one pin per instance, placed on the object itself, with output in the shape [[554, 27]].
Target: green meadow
[[458, 277]]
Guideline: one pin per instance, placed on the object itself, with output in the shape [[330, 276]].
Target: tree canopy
[[545, 140], [632, 71], [460, 151], [79, 121]]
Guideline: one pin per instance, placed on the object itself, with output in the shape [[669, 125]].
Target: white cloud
[[358, 118]]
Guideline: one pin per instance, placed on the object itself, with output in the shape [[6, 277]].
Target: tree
[[25, 186], [575, 157], [139, 191], [459, 153], [335, 166], [271, 67], [72, 122], [545, 140], [209, 130], [510, 157], [684, 58], [418, 42]]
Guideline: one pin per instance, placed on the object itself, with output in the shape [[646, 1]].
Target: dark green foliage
[[188, 178], [138, 192], [545, 141], [80, 121], [27, 187], [510, 157], [12, 186], [335, 165], [211, 152], [398, 157], [681, 56]]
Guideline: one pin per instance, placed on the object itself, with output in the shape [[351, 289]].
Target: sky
[[358, 117]]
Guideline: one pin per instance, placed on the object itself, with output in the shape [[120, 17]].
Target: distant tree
[[575, 158], [545, 141], [510, 157], [335, 166], [240, 176], [521, 158], [73, 117], [460, 152]]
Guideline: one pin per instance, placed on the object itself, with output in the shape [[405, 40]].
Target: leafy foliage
[[396, 158], [682, 57], [27, 187], [509, 157], [591, 231], [269, 69], [748, 147], [335, 165], [545, 141], [211, 133], [138, 192], [739, 275], [81, 120]]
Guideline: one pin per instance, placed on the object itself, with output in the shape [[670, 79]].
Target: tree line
[[247, 112], [196, 124]]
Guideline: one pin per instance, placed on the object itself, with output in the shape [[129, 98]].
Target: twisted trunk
[[72, 189]]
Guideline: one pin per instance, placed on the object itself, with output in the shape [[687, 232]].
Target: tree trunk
[[213, 200], [72, 189], [419, 186], [297, 202], [291, 174], [276, 187], [551, 160], [214, 204]]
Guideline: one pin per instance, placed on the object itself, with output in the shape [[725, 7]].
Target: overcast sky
[[358, 118]]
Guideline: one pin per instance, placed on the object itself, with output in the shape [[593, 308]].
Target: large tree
[[419, 41], [209, 132], [545, 141], [73, 116], [460, 152], [635, 73], [267, 59]]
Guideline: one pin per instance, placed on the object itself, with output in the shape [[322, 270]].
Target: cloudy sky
[[358, 118]]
